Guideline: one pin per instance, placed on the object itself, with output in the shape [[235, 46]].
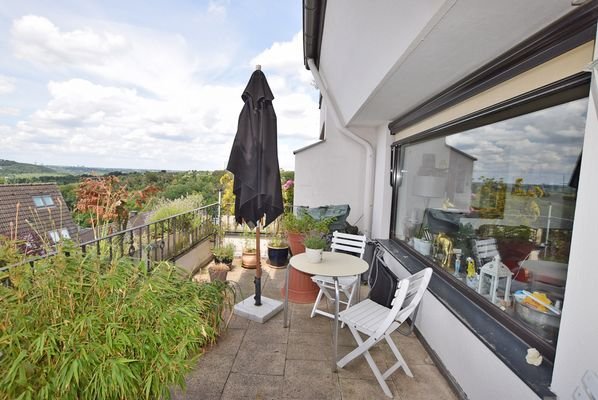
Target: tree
[[228, 197], [104, 200]]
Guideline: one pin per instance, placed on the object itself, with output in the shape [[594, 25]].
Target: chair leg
[[400, 360], [318, 299], [363, 348]]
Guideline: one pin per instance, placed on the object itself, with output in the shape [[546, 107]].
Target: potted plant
[[302, 289], [228, 254], [423, 242], [314, 247], [298, 226], [218, 272], [224, 254], [278, 251], [249, 256]]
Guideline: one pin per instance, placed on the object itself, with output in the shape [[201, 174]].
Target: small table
[[333, 265]]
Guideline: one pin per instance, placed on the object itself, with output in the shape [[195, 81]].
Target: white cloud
[[218, 8], [295, 98], [38, 39], [285, 59], [142, 100], [6, 85], [11, 111]]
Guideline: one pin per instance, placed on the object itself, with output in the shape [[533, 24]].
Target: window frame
[[43, 199], [569, 89]]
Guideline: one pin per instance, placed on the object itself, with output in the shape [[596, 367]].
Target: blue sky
[[146, 84]]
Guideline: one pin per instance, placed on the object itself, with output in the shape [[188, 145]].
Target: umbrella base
[[248, 309]]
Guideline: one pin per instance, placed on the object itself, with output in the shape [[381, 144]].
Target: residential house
[[35, 213], [509, 85]]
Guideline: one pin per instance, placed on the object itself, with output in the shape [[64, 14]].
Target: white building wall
[[332, 172], [577, 348], [368, 36]]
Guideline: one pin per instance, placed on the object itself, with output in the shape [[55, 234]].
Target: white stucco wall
[[362, 42], [332, 172], [577, 348]]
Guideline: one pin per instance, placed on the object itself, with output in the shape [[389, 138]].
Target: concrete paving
[[266, 361]]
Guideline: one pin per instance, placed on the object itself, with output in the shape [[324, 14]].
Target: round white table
[[333, 265]]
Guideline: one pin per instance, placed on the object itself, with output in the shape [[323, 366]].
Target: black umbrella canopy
[[254, 156]]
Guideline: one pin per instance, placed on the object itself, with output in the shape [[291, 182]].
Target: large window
[[493, 207]]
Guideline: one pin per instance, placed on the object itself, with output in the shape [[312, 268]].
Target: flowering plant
[[288, 189]]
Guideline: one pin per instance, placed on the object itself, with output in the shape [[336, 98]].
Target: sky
[[147, 84], [541, 147]]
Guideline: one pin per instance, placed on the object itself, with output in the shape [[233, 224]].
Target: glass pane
[[38, 201], [54, 235], [48, 201], [65, 233], [494, 206]]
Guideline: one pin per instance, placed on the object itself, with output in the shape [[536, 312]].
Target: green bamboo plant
[[79, 327]]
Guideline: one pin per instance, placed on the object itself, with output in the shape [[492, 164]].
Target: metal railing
[[160, 240]]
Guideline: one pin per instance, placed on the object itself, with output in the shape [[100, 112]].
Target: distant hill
[[9, 168], [82, 170]]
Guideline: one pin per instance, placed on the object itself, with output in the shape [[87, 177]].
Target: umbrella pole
[[258, 267]]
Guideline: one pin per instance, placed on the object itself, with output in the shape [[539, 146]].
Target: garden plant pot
[[278, 256], [422, 246], [295, 241], [218, 273], [314, 255], [249, 259], [302, 290]]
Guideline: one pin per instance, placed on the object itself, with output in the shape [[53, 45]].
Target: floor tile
[[261, 358], [241, 386], [427, 383], [367, 389], [207, 380], [308, 379], [309, 346]]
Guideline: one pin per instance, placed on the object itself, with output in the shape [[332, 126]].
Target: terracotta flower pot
[[295, 241], [302, 290], [218, 273], [249, 259]]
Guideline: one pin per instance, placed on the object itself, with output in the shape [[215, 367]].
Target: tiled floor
[[267, 361]]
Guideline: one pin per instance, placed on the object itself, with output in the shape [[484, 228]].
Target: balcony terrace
[[267, 361]]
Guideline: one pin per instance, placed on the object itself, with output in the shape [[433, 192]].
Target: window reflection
[[494, 206]]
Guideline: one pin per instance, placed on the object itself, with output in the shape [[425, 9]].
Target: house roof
[[19, 213]]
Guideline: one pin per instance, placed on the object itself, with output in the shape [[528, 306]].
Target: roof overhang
[[313, 27]]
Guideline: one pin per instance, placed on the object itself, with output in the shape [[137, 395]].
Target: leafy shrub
[[78, 327], [168, 208], [305, 223], [315, 242], [224, 254]]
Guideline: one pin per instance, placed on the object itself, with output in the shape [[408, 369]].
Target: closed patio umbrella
[[254, 163]]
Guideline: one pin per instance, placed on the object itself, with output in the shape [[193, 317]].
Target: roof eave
[[313, 26]]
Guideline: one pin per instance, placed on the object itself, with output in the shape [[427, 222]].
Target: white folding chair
[[378, 322], [348, 285]]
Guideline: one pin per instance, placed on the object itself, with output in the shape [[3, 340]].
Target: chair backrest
[[409, 293], [349, 243], [484, 250]]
